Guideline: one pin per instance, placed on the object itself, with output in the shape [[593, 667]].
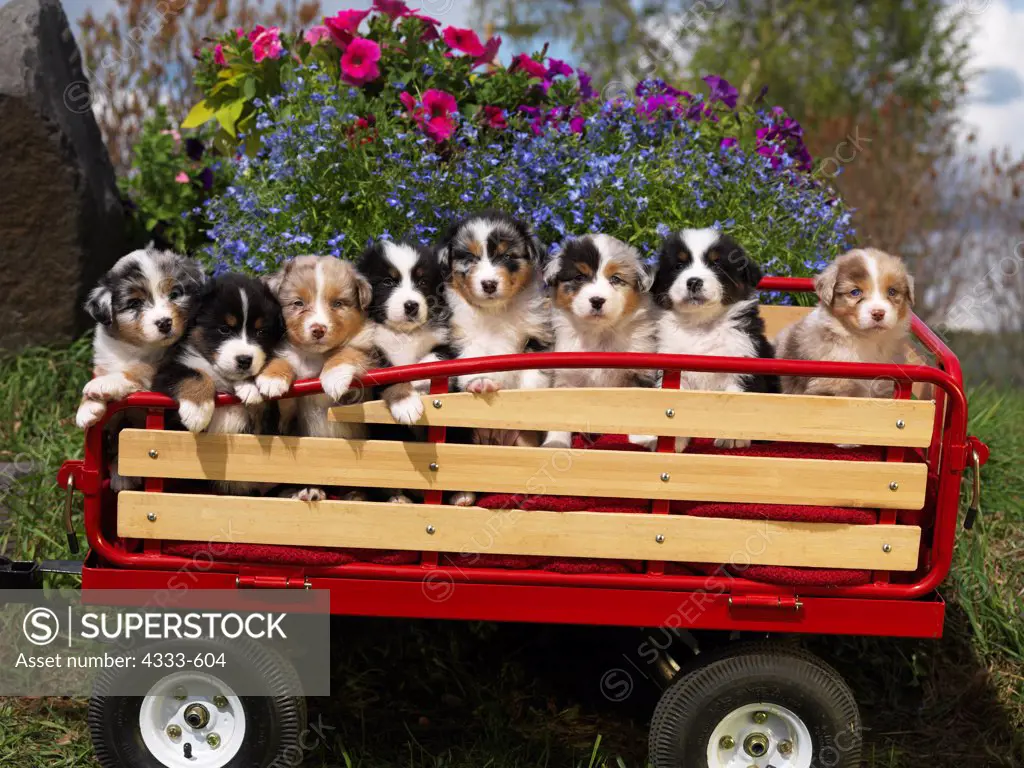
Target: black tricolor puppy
[[409, 316], [706, 285]]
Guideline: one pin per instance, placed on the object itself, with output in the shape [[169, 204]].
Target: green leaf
[[228, 115], [198, 115], [249, 88]]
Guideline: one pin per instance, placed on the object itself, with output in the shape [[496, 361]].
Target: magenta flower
[[494, 117], [239, 33], [577, 123], [438, 107], [181, 178], [490, 52], [430, 25], [218, 55], [266, 43], [530, 66], [359, 62], [315, 34], [727, 142], [464, 40], [558, 67], [721, 90], [344, 26], [396, 9], [587, 91]]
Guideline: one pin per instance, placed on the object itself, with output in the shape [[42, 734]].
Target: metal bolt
[[197, 716], [760, 717], [174, 731], [220, 702], [431, 529], [153, 453], [670, 412], [433, 466], [665, 477], [213, 740], [900, 423], [887, 548], [785, 747], [438, 403], [894, 486], [180, 693], [756, 745], [660, 538], [726, 742], [151, 517]]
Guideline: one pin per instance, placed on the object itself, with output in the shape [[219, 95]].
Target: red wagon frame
[[431, 589]]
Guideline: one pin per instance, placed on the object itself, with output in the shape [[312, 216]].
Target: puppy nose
[[317, 332], [412, 308], [243, 362], [596, 302], [489, 286], [694, 284], [164, 324], [878, 315]]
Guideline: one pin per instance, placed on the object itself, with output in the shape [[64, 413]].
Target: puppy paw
[[463, 499], [647, 442], [336, 381], [399, 498], [248, 393], [408, 410], [310, 494], [195, 416], [681, 443], [89, 413], [723, 442], [482, 386], [271, 386], [113, 386]]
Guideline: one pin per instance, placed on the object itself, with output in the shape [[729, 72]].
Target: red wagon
[[793, 535]]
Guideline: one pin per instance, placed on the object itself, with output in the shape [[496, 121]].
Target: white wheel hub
[[759, 736], [192, 720]]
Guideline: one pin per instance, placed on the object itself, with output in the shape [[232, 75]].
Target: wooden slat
[[778, 317], [505, 469], [742, 415], [515, 532]]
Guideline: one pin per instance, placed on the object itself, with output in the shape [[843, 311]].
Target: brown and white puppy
[[141, 308], [863, 315], [325, 303], [601, 303]]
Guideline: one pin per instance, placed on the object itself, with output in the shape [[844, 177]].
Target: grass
[[432, 694]]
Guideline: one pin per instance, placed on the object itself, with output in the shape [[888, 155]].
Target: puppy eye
[[224, 330], [580, 279], [713, 256], [389, 283], [892, 293], [262, 333], [134, 304], [175, 294], [298, 304], [338, 304], [616, 280], [856, 292]]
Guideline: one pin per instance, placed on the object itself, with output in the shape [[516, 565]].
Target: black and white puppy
[[600, 303], [141, 308], [409, 317], [237, 325], [707, 286]]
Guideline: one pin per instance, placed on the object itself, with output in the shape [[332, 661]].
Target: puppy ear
[[825, 284], [193, 276], [364, 292], [535, 248], [100, 304], [910, 289], [275, 280], [751, 270], [552, 266], [645, 276]]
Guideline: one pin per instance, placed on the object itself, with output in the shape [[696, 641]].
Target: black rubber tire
[[275, 723], [751, 673]]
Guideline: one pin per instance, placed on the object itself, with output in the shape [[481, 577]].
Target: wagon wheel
[[193, 718], [757, 705]]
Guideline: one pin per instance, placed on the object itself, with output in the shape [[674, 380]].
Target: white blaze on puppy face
[[872, 290], [598, 279], [399, 307], [490, 262], [239, 356], [697, 283], [323, 300]]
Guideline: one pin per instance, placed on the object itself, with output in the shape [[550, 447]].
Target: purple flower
[[727, 142], [193, 148], [206, 178], [721, 90], [587, 91], [558, 67]]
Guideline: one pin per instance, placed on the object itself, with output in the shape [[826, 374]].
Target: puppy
[[325, 303], [707, 286], [601, 304], [409, 317], [863, 315], [237, 325], [141, 308]]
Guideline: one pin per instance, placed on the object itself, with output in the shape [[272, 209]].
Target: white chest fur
[[720, 337], [633, 334], [408, 348]]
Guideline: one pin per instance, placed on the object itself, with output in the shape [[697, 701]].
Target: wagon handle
[[974, 507]]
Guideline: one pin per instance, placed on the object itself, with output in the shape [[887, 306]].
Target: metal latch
[[771, 602], [974, 508], [271, 581]]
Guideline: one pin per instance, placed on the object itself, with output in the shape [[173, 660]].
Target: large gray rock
[[61, 221]]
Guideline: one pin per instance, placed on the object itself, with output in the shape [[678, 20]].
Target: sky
[[995, 103]]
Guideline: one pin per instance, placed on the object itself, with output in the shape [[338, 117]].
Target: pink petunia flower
[[434, 116], [181, 178], [239, 33], [464, 40], [530, 66], [359, 62], [490, 52], [266, 44], [409, 101], [315, 34], [558, 67], [494, 117], [430, 25], [396, 9], [344, 26], [218, 55], [577, 123]]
